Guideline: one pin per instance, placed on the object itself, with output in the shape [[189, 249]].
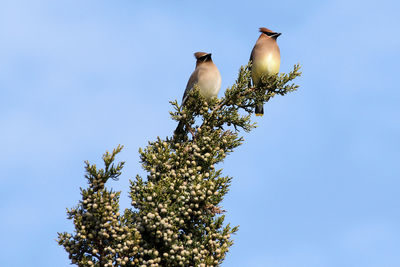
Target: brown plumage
[[265, 30], [207, 77], [265, 58], [198, 55]]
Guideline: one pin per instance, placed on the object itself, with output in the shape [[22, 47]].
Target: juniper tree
[[176, 218]]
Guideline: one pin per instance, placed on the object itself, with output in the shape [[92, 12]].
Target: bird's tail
[[179, 129], [259, 110]]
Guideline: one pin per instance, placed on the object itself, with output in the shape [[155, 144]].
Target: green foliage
[[101, 237], [175, 219], [239, 98]]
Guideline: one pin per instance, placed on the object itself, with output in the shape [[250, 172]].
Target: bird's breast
[[209, 83], [267, 64]]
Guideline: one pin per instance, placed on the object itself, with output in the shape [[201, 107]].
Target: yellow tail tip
[[259, 114]]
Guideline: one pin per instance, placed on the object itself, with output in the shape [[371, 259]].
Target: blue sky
[[316, 184]]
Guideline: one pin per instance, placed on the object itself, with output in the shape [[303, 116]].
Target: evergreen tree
[[176, 218]]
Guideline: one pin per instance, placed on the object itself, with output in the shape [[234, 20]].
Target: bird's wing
[[252, 56], [192, 81], [251, 60]]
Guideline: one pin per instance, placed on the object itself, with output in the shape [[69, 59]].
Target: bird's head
[[269, 33], [202, 57]]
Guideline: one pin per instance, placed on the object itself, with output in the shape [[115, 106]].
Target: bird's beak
[[276, 35]]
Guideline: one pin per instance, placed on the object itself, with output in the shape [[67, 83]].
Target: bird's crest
[[200, 54], [265, 30]]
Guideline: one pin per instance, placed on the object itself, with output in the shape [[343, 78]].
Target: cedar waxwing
[[266, 59], [207, 77]]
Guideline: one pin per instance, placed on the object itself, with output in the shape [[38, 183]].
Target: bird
[[265, 60], [208, 79]]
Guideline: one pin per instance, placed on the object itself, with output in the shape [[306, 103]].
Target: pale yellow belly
[[210, 84], [268, 65]]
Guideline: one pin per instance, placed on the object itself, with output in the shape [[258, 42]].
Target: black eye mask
[[272, 34], [204, 58]]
